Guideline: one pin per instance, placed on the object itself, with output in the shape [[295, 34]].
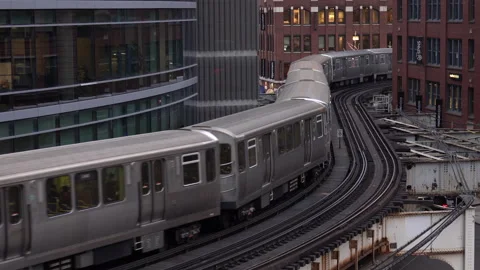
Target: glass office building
[[77, 71]]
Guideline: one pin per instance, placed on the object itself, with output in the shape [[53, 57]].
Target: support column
[[354, 245]]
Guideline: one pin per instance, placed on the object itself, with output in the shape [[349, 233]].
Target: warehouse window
[[471, 10], [454, 98], [399, 10], [433, 10], [471, 102], [455, 52], [413, 89], [471, 54], [414, 9], [433, 93], [191, 169], [433, 51], [340, 16], [455, 10]]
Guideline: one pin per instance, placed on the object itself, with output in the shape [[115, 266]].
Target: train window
[[367, 60], [225, 159], [252, 153], [210, 163], [59, 195], [14, 204], [86, 190], [158, 175], [113, 180], [319, 126], [289, 137], [191, 171], [241, 156], [145, 178], [282, 144], [296, 135], [337, 64], [382, 59]]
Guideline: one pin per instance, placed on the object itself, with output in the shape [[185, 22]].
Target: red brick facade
[[275, 26], [442, 66]]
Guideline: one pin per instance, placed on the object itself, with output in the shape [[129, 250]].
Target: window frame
[[71, 194], [208, 161], [197, 161], [103, 184], [248, 151], [228, 163], [319, 131]]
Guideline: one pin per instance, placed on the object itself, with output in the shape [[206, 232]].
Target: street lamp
[[355, 39]]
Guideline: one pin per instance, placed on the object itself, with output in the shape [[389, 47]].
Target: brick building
[[434, 58], [293, 29]]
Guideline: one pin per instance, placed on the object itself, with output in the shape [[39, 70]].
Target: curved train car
[[80, 205]]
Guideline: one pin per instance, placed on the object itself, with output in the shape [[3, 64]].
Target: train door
[[13, 225], [152, 191], [307, 140], [267, 157]]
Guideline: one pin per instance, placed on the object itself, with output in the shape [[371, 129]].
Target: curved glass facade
[[69, 76]]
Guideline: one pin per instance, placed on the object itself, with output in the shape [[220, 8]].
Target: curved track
[[275, 237]]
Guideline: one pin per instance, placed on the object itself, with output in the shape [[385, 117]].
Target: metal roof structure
[[423, 146]]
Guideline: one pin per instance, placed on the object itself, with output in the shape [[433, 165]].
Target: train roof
[[382, 50], [346, 53], [249, 122], [117, 150], [305, 74], [305, 89]]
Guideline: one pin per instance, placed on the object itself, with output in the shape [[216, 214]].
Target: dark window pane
[[59, 195], [113, 181], [14, 204], [46, 57], [22, 50], [48, 97], [44, 16], [21, 16], [158, 175], [86, 190], [145, 178], [210, 164], [25, 100], [85, 54]]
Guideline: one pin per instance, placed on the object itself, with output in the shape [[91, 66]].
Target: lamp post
[[355, 38]]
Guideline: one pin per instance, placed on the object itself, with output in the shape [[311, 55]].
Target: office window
[[399, 10], [455, 52], [433, 51], [287, 16], [365, 42], [340, 16], [471, 102], [412, 49], [471, 54], [321, 16], [399, 49], [341, 42], [331, 15], [356, 16], [365, 15], [321, 43], [413, 89], [375, 41], [390, 16], [414, 9], [471, 10], [375, 16], [287, 45], [331, 42], [307, 44], [433, 10], [433, 92], [454, 98], [296, 16], [306, 17], [296, 43], [455, 10]]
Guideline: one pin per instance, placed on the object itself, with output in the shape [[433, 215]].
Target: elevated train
[[85, 204]]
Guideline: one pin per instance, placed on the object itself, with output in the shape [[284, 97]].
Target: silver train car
[[81, 205]]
